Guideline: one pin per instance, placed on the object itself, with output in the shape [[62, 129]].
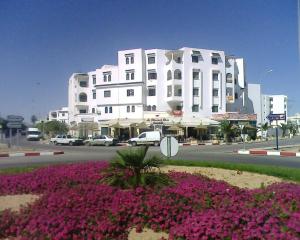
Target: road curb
[[31, 154], [268, 153]]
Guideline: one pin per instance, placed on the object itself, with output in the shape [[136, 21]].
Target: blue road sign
[[14, 118], [274, 117]]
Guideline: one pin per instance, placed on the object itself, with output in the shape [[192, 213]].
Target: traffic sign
[[169, 146], [275, 117], [14, 125], [14, 118]]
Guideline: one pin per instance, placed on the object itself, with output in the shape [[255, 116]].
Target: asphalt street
[[223, 153]]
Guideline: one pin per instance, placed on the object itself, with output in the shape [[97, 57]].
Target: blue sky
[[43, 42]]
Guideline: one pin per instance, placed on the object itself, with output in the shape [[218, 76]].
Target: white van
[[146, 138], [33, 134]]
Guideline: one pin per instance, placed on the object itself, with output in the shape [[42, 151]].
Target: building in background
[[295, 120], [274, 104], [61, 115], [160, 88], [255, 96]]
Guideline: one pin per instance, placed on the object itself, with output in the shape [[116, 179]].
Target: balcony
[[174, 57]]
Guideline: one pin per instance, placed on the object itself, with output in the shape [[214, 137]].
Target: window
[[82, 111], [107, 93], [83, 83], [63, 114], [129, 74], [214, 60], [215, 108], [177, 74], [106, 109], [151, 91], [148, 108], [196, 56], [130, 92], [178, 108], [152, 75], [236, 96], [196, 75], [94, 94], [215, 92], [128, 108], [82, 97], [169, 75], [215, 76], [195, 108], [195, 59], [229, 78], [169, 91], [177, 92], [129, 58], [110, 109], [235, 81], [151, 59], [132, 108], [178, 60], [94, 79], [153, 108], [143, 135], [93, 110], [195, 92], [107, 76]]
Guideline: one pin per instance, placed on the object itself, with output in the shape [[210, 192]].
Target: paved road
[[197, 153]]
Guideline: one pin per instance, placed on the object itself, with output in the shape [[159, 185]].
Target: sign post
[[169, 146], [275, 117], [15, 122]]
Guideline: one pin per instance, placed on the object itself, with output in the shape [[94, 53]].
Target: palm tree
[[133, 163], [283, 127], [292, 128], [264, 128], [227, 129], [33, 119]]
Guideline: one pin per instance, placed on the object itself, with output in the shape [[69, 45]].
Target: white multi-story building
[[185, 85], [274, 104], [255, 101], [61, 115]]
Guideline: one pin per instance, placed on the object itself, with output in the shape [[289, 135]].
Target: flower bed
[[76, 205]]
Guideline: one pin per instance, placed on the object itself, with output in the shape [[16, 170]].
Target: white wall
[[254, 94]]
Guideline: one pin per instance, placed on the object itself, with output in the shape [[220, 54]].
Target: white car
[[66, 139], [102, 140], [146, 138]]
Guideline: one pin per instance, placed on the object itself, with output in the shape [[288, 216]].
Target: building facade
[[255, 101], [61, 115], [184, 85], [274, 104]]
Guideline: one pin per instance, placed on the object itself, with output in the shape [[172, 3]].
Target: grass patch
[[16, 170], [292, 174]]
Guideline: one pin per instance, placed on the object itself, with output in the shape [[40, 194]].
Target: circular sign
[[169, 146]]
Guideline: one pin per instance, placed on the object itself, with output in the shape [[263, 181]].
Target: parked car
[[146, 138], [102, 140], [66, 140]]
